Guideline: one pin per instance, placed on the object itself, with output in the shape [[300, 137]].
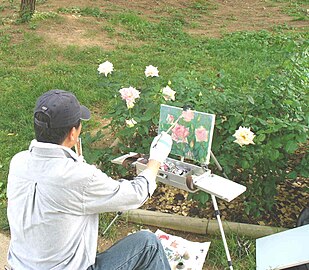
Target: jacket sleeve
[[104, 194]]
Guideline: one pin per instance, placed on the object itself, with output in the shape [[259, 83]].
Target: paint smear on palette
[[181, 253], [192, 134]]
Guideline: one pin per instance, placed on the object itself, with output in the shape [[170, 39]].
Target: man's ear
[[71, 135]]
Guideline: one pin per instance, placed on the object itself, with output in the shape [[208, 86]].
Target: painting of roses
[[192, 133]]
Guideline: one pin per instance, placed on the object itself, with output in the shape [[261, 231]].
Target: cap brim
[[84, 113]]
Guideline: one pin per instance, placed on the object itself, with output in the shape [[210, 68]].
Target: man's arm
[[153, 167], [104, 194]]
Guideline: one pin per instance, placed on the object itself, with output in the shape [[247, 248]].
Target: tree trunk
[[27, 8]]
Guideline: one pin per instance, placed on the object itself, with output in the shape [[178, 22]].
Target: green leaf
[[251, 100], [291, 146], [292, 175], [274, 154], [146, 130], [245, 164], [260, 137], [276, 143], [203, 198]]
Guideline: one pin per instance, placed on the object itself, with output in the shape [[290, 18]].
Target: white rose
[[244, 136], [131, 122], [168, 93], [106, 68], [151, 71]]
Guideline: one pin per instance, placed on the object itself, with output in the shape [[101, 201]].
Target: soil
[[221, 16]]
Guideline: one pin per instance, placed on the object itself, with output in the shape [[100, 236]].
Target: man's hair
[[51, 135]]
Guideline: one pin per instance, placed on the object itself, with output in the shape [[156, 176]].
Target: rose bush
[[257, 132]]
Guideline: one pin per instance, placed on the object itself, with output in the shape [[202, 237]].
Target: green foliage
[[39, 16], [84, 11], [273, 106], [202, 5]]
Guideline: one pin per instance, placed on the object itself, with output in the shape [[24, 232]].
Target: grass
[[31, 65], [242, 252]]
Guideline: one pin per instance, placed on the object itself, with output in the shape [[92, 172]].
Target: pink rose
[[188, 115], [201, 134], [180, 133], [129, 95], [170, 119]]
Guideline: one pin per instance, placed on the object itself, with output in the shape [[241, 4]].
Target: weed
[[39, 16], [203, 6], [84, 11], [111, 30], [295, 8]]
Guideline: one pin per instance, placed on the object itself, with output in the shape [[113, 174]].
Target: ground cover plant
[[256, 79]]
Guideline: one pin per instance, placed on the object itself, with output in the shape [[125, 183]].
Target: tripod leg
[[218, 164], [214, 202], [112, 222]]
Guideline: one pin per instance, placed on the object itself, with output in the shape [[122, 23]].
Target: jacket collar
[[51, 150]]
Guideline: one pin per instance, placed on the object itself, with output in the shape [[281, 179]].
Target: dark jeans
[[138, 251]]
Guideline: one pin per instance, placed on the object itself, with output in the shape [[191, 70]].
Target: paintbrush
[[185, 108]]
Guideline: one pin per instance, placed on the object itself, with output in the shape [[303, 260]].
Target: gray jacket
[[53, 205]]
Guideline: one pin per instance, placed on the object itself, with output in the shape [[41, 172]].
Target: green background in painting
[[192, 149]]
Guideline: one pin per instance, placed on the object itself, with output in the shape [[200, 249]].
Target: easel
[[213, 184], [203, 180]]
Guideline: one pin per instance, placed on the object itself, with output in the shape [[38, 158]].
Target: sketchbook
[[181, 253]]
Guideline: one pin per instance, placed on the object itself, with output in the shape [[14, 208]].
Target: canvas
[[192, 134]]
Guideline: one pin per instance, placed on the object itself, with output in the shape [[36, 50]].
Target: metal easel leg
[[218, 164], [112, 222], [217, 212]]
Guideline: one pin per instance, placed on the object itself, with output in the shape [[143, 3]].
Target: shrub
[[274, 109]]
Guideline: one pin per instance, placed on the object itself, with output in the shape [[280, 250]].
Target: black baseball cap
[[62, 109]]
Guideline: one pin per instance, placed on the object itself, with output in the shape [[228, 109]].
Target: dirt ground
[[220, 17]]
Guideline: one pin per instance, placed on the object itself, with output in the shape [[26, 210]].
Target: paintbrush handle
[[173, 125], [78, 147], [169, 129]]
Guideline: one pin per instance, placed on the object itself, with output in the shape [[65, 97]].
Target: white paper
[[191, 255]]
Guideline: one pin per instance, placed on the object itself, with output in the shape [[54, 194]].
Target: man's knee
[[148, 238]]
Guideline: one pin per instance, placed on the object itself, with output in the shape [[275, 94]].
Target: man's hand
[[160, 147]]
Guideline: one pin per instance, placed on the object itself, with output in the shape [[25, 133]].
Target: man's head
[[58, 113]]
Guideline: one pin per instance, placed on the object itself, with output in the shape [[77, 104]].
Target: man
[[54, 198]]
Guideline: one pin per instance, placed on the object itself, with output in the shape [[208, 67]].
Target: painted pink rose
[[180, 134], [188, 115], [201, 134], [170, 119]]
